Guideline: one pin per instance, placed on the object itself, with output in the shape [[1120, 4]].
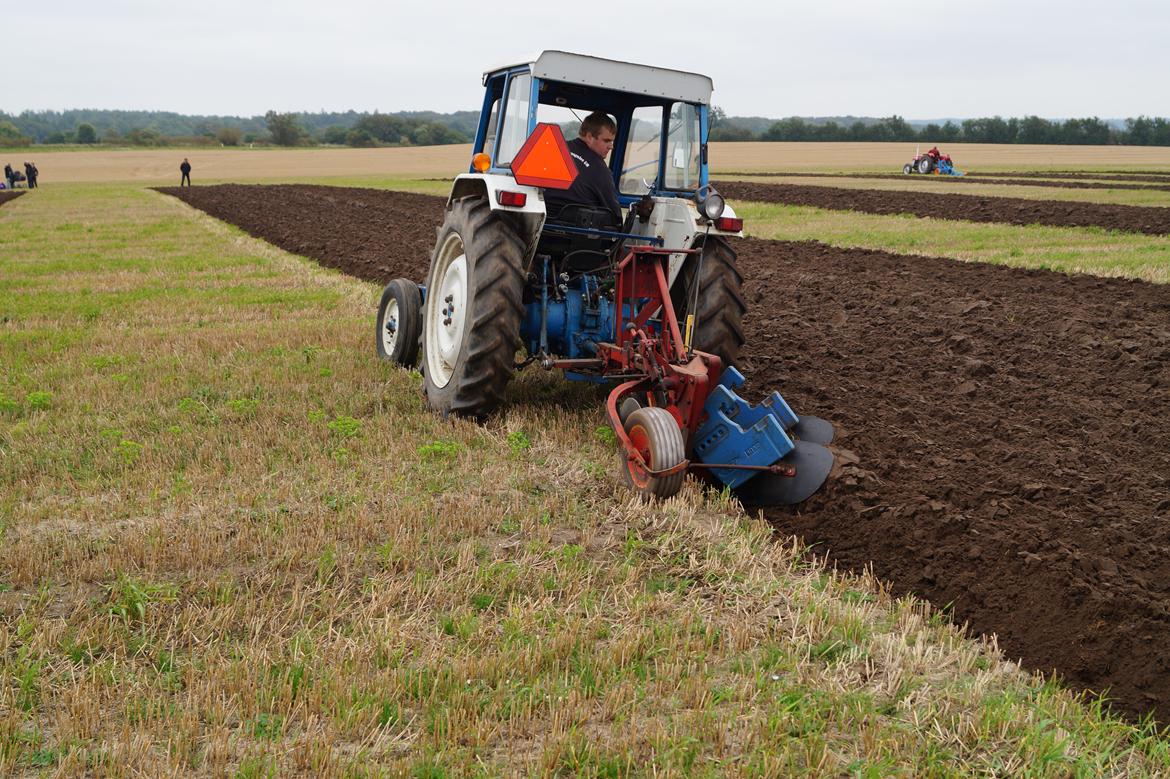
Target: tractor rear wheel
[[399, 323], [719, 318], [471, 321], [925, 164], [657, 437]]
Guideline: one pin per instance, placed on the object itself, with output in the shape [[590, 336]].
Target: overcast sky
[[767, 57]]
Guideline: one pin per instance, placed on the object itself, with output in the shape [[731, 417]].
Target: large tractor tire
[[471, 320], [719, 318], [925, 165]]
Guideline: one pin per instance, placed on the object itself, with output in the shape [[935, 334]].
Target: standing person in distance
[[30, 173], [185, 169], [8, 174]]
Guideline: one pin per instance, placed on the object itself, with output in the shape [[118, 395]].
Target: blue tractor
[[652, 306]]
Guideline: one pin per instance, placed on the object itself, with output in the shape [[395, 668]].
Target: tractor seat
[[579, 215], [583, 217]]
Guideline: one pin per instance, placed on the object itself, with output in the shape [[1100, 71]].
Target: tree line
[[161, 128], [428, 128], [1140, 131]]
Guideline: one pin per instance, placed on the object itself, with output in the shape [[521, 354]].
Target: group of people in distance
[[13, 177]]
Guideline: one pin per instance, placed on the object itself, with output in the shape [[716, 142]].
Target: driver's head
[[598, 132]]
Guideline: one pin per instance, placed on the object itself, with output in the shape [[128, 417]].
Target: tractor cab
[[661, 117], [659, 153]]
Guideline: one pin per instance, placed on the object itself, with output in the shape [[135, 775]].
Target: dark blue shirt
[[593, 186]]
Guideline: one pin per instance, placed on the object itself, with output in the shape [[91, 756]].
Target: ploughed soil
[[7, 194], [971, 208], [1002, 440], [345, 228], [971, 178]]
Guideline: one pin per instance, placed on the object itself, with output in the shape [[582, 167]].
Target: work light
[[710, 202]]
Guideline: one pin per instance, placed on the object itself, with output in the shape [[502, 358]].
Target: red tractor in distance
[[934, 161]]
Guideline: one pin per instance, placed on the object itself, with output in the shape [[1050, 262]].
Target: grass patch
[[940, 185], [1069, 250]]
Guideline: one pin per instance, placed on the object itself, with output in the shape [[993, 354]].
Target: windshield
[[515, 129], [641, 162], [683, 148]]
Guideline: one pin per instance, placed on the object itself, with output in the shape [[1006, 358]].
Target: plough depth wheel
[[657, 437]]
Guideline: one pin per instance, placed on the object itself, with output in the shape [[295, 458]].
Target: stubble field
[[217, 165]]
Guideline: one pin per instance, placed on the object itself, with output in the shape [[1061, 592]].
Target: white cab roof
[[615, 74]]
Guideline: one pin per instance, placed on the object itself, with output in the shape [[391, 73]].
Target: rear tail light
[[729, 224], [514, 199]]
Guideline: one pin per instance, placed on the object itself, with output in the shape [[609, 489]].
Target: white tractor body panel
[[615, 74], [676, 221]]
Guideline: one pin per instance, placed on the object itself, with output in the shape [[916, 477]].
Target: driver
[[594, 185]]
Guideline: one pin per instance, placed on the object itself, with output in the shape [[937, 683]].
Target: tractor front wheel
[[657, 437], [399, 323], [719, 318], [907, 168], [471, 321]]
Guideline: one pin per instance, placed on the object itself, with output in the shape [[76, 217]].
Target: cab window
[[643, 144], [568, 119], [515, 130], [683, 148], [489, 139]]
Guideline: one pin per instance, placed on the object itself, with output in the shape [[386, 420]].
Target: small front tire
[[657, 437], [399, 323]]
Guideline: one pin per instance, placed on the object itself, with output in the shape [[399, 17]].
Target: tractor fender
[[527, 219], [489, 185], [677, 260]]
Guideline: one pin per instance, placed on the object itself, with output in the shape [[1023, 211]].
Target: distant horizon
[[816, 117]]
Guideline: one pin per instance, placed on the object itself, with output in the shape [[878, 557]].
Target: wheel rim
[[447, 311], [389, 331], [641, 441]]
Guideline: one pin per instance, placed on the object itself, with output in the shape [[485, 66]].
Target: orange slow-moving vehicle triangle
[[544, 161]]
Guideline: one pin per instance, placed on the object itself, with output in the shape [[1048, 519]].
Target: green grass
[[441, 187], [1066, 249], [941, 185], [234, 543]]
